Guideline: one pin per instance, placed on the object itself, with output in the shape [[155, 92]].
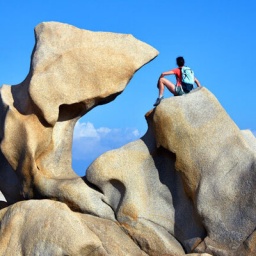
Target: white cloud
[[90, 142], [104, 130], [136, 133], [85, 130]]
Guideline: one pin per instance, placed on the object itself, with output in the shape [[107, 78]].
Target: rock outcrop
[[186, 187], [193, 173], [47, 227], [72, 71]]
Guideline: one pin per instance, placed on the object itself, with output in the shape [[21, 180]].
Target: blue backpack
[[188, 79]]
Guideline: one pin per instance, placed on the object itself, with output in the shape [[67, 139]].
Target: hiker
[[185, 80]]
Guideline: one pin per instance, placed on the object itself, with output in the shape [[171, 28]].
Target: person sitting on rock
[[181, 87]]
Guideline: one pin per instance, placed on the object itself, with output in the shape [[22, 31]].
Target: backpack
[[187, 79]]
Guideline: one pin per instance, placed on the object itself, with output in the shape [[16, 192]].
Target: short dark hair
[[180, 61]]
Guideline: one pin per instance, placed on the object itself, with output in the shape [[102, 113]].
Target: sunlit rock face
[[217, 164], [186, 187], [47, 227], [72, 71], [193, 173]]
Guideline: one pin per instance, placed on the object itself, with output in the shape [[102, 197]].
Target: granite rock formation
[[72, 71], [185, 187], [193, 173]]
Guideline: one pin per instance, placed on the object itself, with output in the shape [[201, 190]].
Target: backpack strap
[[181, 76]]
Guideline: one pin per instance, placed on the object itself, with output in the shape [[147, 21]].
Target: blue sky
[[217, 39]]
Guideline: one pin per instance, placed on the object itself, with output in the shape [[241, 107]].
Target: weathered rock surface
[[217, 164], [193, 173], [186, 187], [147, 195], [72, 71], [47, 227]]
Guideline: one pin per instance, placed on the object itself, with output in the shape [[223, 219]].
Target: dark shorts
[[180, 90]]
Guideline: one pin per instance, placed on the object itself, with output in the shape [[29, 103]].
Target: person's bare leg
[[162, 82], [169, 85]]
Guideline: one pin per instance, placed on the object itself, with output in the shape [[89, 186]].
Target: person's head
[[180, 61]]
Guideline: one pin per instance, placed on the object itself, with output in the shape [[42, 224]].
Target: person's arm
[[167, 73], [197, 83]]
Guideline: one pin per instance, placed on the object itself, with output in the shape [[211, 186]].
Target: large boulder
[[141, 184], [47, 227], [72, 71], [217, 164], [191, 177]]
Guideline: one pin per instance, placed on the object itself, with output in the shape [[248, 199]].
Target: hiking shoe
[[158, 100]]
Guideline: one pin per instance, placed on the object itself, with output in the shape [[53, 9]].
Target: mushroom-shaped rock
[[72, 70]]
